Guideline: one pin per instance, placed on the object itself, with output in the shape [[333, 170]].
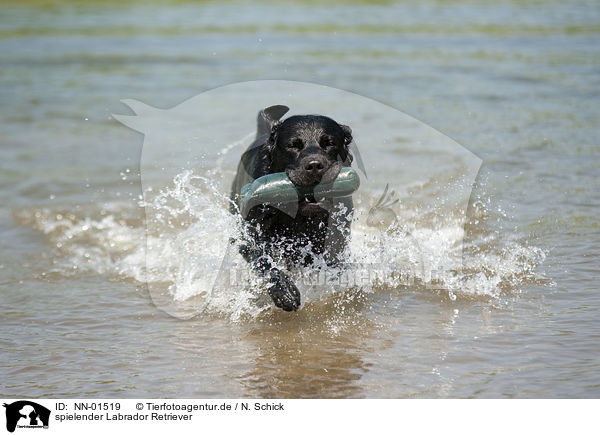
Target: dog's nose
[[314, 166]]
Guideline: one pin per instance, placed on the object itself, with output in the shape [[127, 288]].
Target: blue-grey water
[[516, 83]]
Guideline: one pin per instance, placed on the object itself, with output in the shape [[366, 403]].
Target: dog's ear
[[273, 136], [265, 155], [346, 155], [272, 140], [347, 134]]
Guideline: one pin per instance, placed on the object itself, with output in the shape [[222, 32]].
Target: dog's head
[[311, 149]]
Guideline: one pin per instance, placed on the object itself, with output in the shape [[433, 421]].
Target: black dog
[[311, 149]]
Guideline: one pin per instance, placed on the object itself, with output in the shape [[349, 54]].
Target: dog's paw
[[284, 292]]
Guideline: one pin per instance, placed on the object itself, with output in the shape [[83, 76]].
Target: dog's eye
[[325, 142], [297, 144]]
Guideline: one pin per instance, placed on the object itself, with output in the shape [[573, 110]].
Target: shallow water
[[517, 84]]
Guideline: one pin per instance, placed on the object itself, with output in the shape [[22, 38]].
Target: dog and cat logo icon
[[26, 414]]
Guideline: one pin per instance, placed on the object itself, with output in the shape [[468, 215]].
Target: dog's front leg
[[282, 290]]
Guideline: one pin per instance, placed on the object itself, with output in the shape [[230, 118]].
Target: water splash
[[188, 257]]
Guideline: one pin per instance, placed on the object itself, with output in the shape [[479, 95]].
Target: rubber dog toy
[[278, 189]]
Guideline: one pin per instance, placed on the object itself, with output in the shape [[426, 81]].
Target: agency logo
[[25, 414], [197, 156]]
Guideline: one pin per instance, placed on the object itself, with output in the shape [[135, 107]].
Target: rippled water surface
[[505, 297]]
